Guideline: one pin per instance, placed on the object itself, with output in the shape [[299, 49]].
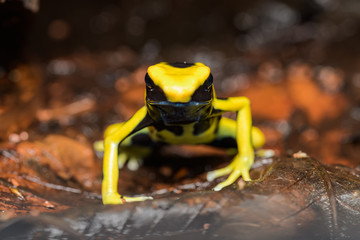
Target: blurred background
[[74, 67], [68, 69]]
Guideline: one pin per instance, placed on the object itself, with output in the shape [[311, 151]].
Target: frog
[[181, 108]]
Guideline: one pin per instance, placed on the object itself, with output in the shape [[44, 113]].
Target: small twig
[[53, 186], [62, 188]]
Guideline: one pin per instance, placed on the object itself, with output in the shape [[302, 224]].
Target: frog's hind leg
[[132, 150], [135, 149], [226, 138], [226, 135]]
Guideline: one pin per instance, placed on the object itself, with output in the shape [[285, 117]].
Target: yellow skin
[[181, 108]]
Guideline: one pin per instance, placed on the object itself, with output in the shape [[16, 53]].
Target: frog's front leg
[[114, 135], [246, 136]]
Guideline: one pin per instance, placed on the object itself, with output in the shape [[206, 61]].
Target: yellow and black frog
[[181, 108]]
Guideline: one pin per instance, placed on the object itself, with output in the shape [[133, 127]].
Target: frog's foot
[[132, 163], [116, 198], [99, 148], [265, 153], [240, 166], [130, 156]]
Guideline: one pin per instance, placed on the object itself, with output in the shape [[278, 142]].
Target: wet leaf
[[66, 157]]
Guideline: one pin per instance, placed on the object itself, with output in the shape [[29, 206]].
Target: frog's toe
[[240, 166], [219, 187], [230, 180], [235, 174], [132, 157], [116, 198], [136, 199], [265, 153], [220, 172], [134, 163], [210, 176]]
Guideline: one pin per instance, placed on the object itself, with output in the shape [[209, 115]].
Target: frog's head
[[179, 93]]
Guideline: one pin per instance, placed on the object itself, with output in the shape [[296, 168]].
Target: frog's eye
[[153, 92], [209, 81], [204, 92], [149, 83]]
